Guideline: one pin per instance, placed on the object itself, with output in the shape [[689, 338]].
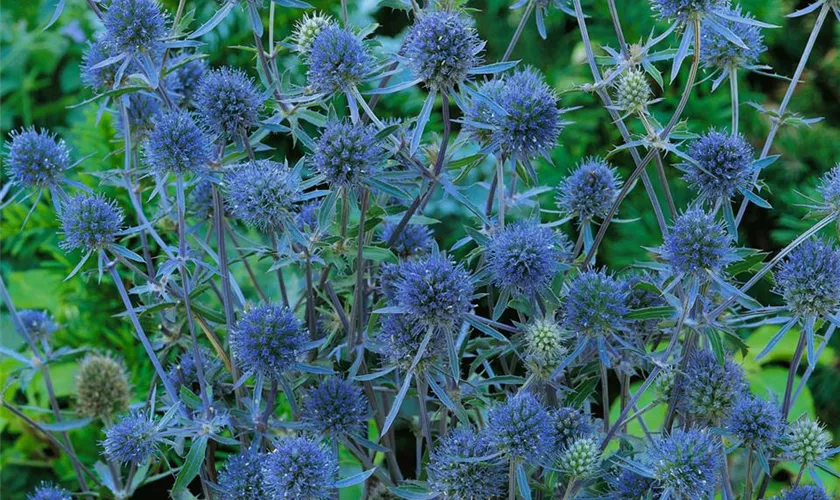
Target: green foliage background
[[39, 81]]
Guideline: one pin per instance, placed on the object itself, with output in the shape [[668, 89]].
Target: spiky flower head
[[268, 339], [632, 91], [49, 491], [596, 305], [829, 189], [262, 194], [581, 459], [697, 243], [36, 158], [710, 388], [686, 463], [643, 294], [804, 492], [347, 153], [39, 324], [143, 109], [434, 290], [441, 48], [481, 118], [335, 407], [524, 257], [242, 477], [685, 10], [188, 73], [98, 78], [177, 145], [724, 165], [809, 279], [717, 52], [134, 26], [544, 349], [663, 386], [229, 102], [90, 222], [455, 472], [590, 190], [570, 424], [402, 337], [756, 422], [807, 441], [630, 485], [200, 199], [307, 216], [532, 121], [308, 28], [337, 60], [415, 239], [300, 468], [521, 427], [133, 439], [183, 372], [102, 387]]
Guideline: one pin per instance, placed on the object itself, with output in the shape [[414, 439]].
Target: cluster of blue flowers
[[300, 317]]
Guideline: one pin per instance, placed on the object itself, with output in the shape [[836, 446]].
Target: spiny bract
[[133, 439], [718, 52], [134, 26], [686, 463], [335, 407], [758, 423], [229, 102], [49, 491], [697, 243], [596, 304], [434, 291], [177, 145], [347, 153]]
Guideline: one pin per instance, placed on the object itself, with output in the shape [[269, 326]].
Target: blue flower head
[[49, 491], [521, 427], [228, 101], [532, 121], [434, 290], [402, 337], [756, 422], [300, 468], [454, 471], [630, 485], [570, 424], [804, 492], [98, 78], [829, 189], [524, 257], [134, 26], [724, 165], [347, 153], [596, 305], [183, 372], [335, 407], [188, 75], [589, 191], [307, 215], [685, 10], [36, 159], [809, 279], [262, 194], [697, 243], [268, 339], [200, 201], [642, 297], [338, 60], [143, 110], [717, 52], [242, 477], [686, 463], [177, 145], [134, 439], [90, 222], [415, 239], [441, 48], [39, 324], [710, 388]]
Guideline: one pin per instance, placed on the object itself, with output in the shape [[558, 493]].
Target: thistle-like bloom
[[183, 372], [456, 469], [532, 121], [434, 290], [134, 26], [697, 243], [90, 222], [629, 485], [262, 194], [268, 339], [200, 200], [807, 442], [804, 492], [718, 53], [441, 48], [188, 76], [178, 145], [402, 337], [300, 468], [829, 189], [415, 239], [307, 216], [524, 257], [570, 424], [242, 477], [102, 388], [143, 110], [347, 153], [757, 423], [710, 389], [544, 349], [228, 101], [684, 10], [589, 191], [809, 279], [39, 324], [337, 61], [632, 91], [724, 165], [98, 78], [521, 427], [134, 439], [686, 463], [36, 159], [49, 491], [581, 458], [307, 30], [596, 304], [480, 114], [335, 407]]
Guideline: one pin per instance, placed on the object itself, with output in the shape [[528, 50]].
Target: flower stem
[[519, 29]]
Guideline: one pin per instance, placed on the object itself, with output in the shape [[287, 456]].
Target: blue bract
[[723, 168], [809, 279], [335, 407], [177, 145], [521, 427], [262, 194], [697, 243]]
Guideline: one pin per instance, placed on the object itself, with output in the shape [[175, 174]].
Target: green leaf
[[191, 465]]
